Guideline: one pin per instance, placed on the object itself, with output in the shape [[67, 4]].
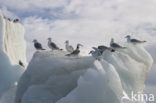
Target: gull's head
[[49, 39], [67, 41], [112, 40], [35, 41], [128, 36], [91, 52]]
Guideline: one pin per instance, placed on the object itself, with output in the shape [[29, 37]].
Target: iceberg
[[12, 49], [52, 77], [12, 40]]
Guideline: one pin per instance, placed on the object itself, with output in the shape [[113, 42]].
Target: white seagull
[[37, 45], [115, 45], [69, 48], [134, 41], [76, 51], [96, 53], [52, 45]]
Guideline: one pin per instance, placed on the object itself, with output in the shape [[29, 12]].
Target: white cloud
[[35, 5], [97, 20], [7, 13]]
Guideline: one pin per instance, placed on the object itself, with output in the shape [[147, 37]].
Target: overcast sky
[[89, 22]]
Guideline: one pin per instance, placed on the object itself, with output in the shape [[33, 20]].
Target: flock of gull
[[16, 20], [96, 52]]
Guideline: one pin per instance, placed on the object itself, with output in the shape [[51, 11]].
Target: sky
[[89, 22]]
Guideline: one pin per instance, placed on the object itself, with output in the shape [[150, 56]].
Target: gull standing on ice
[[96, 53], [115, 45], [76, 51], [37, 45], [102, 48], [52, 45], [69, 48], [9, 19], [16, 20], [134, 41]]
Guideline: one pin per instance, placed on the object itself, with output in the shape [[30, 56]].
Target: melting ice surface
[[52, 77]]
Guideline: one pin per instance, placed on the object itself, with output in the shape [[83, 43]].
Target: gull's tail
[[43, 49]]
